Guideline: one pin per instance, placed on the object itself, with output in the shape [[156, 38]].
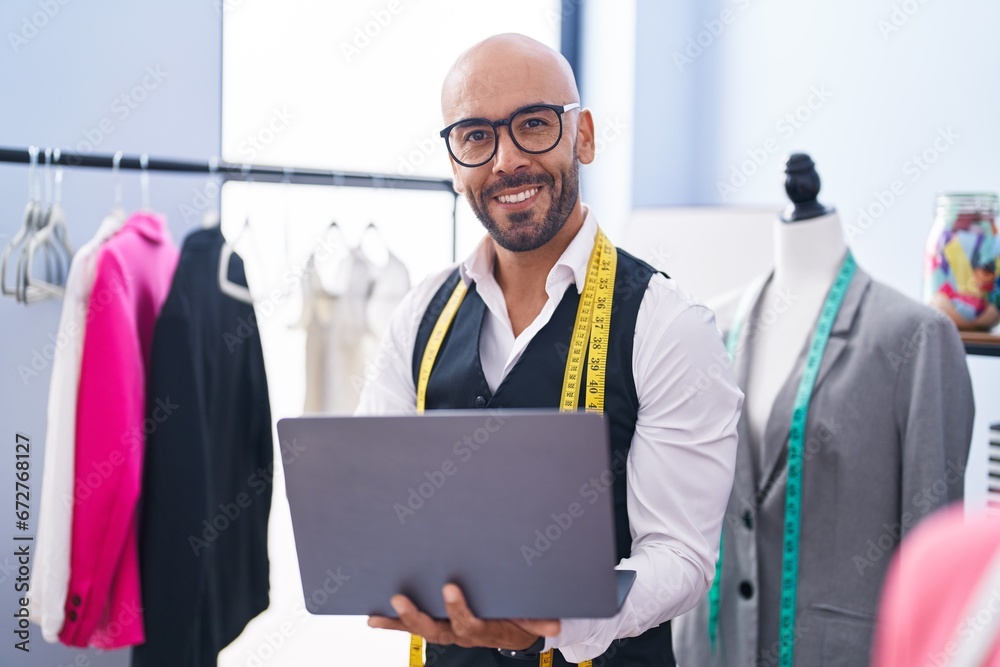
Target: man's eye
[[476, 136]]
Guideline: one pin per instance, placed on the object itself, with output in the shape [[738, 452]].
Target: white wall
[[72, 76], [877, 93]]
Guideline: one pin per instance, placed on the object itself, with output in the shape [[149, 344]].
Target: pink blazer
[[131, 282], [933, 581]]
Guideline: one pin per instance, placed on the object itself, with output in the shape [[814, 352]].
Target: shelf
[[981, 343]]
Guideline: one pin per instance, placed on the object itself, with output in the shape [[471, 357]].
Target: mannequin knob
[[802, 186]]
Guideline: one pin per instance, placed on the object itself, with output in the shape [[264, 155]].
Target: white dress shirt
[[680, 466], [50, 575]]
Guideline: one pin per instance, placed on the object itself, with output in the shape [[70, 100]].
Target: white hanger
[[117, 212], [382, 251], [52, 238], [226, 286], [31, 211]]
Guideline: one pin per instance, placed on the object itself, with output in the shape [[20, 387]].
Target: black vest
[[535, 381]]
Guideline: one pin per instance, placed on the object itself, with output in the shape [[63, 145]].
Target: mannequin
[[884, 442], [808, 249]]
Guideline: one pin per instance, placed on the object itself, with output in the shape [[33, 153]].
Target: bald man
[[516, 136]]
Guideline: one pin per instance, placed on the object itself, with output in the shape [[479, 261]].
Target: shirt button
[[75, 600], [480, 402], [748, 520], [746, 590], [71, 615]]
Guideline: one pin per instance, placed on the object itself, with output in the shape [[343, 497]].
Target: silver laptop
[[512, 505]]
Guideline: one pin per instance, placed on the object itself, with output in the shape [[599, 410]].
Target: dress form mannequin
[[808, 250]]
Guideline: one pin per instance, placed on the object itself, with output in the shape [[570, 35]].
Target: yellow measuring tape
[[592, 327]]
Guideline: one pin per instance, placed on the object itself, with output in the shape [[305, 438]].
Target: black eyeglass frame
[[560, 109]]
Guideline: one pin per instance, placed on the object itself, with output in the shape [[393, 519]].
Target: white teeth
[[520, 196]]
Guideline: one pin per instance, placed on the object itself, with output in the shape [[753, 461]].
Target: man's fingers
[[419, 623], [385, 623], [463, 622]]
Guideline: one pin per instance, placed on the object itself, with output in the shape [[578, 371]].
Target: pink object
[[131, 282], [929, 603]]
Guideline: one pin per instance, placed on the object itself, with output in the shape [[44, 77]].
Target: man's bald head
[[506, 66]]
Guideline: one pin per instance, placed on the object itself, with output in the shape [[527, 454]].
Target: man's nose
[[509, 157]]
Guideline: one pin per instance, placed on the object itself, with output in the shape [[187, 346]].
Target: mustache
[[518, 181]]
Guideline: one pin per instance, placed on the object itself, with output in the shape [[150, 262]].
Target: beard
[[522, 235]]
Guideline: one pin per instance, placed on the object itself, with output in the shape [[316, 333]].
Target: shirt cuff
[[573, 640]]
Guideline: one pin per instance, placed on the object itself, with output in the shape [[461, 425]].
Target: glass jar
[[962, 262]]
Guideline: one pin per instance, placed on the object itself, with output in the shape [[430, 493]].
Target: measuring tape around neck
[[796, 441], [591, 329]]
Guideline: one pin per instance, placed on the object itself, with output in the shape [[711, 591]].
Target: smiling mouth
[[518, 197]]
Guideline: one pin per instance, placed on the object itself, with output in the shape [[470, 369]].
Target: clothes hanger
[[29, 293], [117, 212], [27, 222], [226, 286], [286, 191], [52, 238], [382, 254], [210, 218], [144, 182]]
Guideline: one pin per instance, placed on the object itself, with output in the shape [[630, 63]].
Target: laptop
[[508, 504]]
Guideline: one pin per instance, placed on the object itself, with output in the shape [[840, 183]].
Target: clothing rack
[[230, 171]]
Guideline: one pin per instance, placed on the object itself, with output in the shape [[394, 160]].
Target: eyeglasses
[[534, 129]]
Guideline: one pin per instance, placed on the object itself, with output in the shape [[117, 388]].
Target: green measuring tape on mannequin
[[796, 441]]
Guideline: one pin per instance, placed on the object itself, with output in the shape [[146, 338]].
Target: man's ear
[[585, 147]]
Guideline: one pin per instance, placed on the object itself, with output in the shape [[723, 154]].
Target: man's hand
[[462, 627]]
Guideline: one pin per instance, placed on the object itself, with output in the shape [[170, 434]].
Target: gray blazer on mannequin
[[887, 442]]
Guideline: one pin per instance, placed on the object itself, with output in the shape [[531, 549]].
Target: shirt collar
[[570, 267]]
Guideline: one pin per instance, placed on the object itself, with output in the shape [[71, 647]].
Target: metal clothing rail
[[244, 172], [233, 171]]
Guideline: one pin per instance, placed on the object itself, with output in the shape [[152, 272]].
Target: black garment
[[208, 465], [535, 381]]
